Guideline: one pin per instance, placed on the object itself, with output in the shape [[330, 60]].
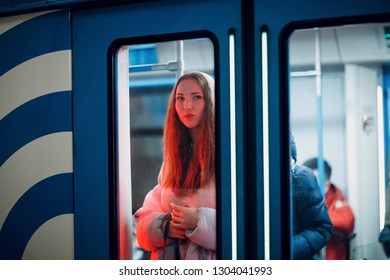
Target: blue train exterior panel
[[36, 146]]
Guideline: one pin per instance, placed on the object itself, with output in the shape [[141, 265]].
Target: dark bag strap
[[167, 220], [177, 250]]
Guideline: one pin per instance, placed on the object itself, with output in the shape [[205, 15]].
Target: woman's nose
[[188, 104]]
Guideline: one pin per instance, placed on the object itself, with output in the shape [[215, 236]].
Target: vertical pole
[[179, 59], [320, 163]]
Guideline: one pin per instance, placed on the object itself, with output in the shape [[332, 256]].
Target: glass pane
[[339, 82], [150, 75]]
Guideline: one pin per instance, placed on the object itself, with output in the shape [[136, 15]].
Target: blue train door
[[126, 60]]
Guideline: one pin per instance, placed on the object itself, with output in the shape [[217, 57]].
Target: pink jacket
[[201, 242]]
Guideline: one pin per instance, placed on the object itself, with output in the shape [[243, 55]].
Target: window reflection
[[339, 80]]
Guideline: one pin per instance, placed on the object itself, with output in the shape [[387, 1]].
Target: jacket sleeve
[[205, 232], [342, 218], [148, 229], [312, 225], [311, 240]]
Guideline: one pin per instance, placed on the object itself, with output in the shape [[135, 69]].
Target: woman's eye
[[179, 98]]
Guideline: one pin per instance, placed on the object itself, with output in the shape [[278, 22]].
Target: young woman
[[178, 217]]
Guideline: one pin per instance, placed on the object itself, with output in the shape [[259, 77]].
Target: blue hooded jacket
[[311, 223]]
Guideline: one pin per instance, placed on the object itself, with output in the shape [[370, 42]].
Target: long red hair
[[187, 167]]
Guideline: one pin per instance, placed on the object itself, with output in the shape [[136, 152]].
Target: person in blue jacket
[[384, 237], [311, 223]]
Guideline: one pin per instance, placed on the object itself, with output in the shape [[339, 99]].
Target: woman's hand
[[184, 217], [173, 231]]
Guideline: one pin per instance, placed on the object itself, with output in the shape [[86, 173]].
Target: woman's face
[[190, 103]]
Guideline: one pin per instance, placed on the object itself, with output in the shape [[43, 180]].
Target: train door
[[325, 85], [120, 98]]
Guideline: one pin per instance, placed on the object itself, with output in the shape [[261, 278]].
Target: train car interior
[[339, 111]]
